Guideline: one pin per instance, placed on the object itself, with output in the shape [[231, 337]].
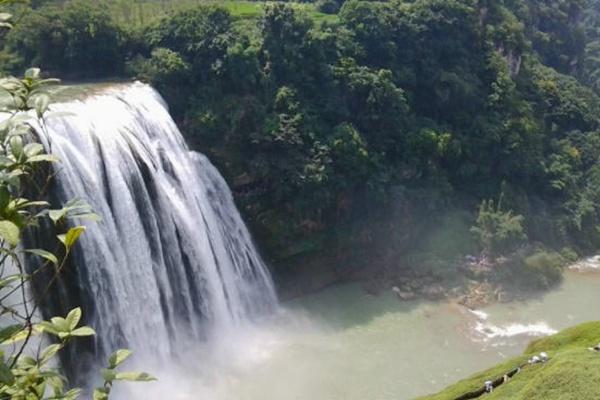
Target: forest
[[266, 199], [388, 126]]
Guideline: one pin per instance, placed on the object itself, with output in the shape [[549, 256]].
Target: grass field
[[145, 11], [572, 373]]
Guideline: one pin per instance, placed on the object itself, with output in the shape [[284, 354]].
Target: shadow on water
[[348, 305]]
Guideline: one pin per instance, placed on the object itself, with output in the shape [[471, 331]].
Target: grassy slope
[[573, 372], [150, 10]]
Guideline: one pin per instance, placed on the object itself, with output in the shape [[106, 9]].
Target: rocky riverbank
[[471, 281]]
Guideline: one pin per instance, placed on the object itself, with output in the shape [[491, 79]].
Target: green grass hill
[[572, 372]]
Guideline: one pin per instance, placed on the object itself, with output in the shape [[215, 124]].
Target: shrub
[[78, 38], [544, 268], [329, 6], [497, 230]]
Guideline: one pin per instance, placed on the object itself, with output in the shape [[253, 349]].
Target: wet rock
[[403, 281], [404, 295], [374, 286], [478, 295], [502, 296], [434, 292], [371, 287], [407, 296]]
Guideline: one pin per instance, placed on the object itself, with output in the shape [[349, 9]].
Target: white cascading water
[[172, 262]]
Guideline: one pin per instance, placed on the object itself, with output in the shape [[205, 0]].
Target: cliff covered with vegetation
[[398, 135]]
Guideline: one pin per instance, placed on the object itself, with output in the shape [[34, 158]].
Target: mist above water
[[344, 344]]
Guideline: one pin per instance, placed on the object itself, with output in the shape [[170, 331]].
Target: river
[[344, 344]]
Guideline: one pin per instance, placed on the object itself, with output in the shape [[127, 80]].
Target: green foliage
[[497, 230], [23, 376], [24, 164], [164, 67], [396, 94], [27, 377], [544, 268], [77, 38], [555, 31], [581, 336], [329, 6], [319, 122], [110, 375], [284, 32], [592, 47], [140, 13]]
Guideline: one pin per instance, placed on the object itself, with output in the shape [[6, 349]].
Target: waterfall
[[171, 262]]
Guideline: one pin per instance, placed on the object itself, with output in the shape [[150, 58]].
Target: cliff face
[[571, 372]]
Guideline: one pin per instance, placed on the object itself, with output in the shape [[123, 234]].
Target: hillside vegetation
[[572, 373], [398, 135], [143, 12]]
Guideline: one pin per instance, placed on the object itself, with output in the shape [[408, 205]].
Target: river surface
[[345, 344]]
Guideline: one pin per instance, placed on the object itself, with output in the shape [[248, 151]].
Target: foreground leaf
[[74, 317], [134, 377], [83, 331], [9, 331], [100, 394], [118, 357], [10, 232], [44, 254], [6, 376], [70, 238]]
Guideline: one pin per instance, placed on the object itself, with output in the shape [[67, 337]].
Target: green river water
[[345, 344]]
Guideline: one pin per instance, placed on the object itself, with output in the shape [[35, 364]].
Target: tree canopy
[[373, 121]]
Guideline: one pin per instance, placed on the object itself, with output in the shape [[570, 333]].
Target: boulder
[[433, 292]]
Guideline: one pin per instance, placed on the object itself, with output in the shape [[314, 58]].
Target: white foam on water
[[482, 315], [587, 264], [491, 331], [487, 330]]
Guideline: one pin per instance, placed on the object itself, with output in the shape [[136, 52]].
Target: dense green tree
[[78, 38], [326, 126], [555, 30]]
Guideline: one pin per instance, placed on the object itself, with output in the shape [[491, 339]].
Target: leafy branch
[[23, 162]]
